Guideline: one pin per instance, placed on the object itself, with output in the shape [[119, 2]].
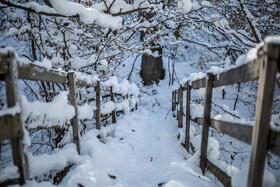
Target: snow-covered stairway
[[142, 149]]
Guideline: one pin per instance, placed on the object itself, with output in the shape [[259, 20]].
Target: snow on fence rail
[[262, 136], [21, 114]]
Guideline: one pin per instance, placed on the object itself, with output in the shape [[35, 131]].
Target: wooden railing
[[11, 124], [260, 136]]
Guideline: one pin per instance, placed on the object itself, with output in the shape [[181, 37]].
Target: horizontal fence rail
[[243, 73], [243, 132], [261, 136]]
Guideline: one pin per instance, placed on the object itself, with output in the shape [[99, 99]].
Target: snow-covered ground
[[142, 150]]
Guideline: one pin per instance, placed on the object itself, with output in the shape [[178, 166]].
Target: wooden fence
[[260, 136], [11, 124]]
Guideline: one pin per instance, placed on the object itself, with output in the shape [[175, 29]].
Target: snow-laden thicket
[[55, 116], [103, 38]]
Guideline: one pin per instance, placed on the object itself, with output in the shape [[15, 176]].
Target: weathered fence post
[[188, 102], [206, 121], [180, 98], [98, 106], [267, 80], [73, 101], [112, 96], [177, 103], [173, 100], [11, 83]]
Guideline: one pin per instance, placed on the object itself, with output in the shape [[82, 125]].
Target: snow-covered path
[[142, 149]]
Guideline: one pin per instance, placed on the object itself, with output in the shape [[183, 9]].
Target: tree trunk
[[152, 68]]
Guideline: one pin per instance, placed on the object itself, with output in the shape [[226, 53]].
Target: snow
[[239, 179], [45, 63], [224, 23], [230, 118], [206, 4], [89, 79], [78, 63], [12, 31], [44, 163], [123, 88], [11, 111], [38, 8], [193, 77], [196, 111], [54, 113], [184, 6], [142, 151], [215, 70], [272, 39], [85, 111], [108, 107], [87, 15], [10, 172], [212, 147]]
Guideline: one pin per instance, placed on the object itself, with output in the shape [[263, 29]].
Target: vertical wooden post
[[11, 83], [180, 98], [112, 96], [267, 80], [73, 101], [206, 121], [98, 106], [177, 102], [173, 100], [188, 103]]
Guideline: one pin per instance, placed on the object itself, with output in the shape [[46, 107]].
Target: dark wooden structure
[[151, 69]]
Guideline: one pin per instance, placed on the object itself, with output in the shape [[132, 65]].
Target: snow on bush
[[54, 113], [123, 106], [10, 172], [108, 107], [87, 15], [196, 111], [85, 112], [184, 6], [89, 79], [39, 165], [212, 148]]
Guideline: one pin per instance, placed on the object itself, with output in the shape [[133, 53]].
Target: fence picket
[[98, 106], [180, 114], [188, 101], [11, 83], [112, 96], [206, 121], [73, 101], [267, 78]]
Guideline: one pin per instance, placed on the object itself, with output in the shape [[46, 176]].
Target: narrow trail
[[141, 150]]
